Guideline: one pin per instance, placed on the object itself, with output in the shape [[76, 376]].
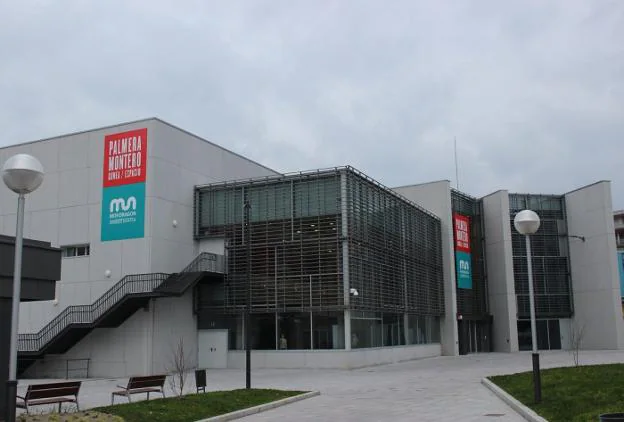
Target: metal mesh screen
[[395, 252], [549, 251], [296, 240], [473, 302]]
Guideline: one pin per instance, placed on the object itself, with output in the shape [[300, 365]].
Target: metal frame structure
[[550, 257], [314, 238]]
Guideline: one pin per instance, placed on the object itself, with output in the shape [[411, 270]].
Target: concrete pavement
[[434, 389]]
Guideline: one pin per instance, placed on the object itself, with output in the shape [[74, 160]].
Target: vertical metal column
[[344, 209], [276, 307], [248, 301], [537, 382], [17, 294], [311, 326]]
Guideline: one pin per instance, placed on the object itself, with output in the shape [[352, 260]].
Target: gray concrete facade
[[66, 210], [502, 295], [594, 268]]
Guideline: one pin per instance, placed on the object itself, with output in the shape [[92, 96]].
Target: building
[[41, 267], [165, 234]]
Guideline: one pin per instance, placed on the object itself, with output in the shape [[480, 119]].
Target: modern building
[[167, 237]]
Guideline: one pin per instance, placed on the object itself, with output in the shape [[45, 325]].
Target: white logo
[[464, 266], [120, 204]]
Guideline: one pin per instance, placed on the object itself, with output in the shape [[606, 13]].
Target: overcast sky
[[533, 90]]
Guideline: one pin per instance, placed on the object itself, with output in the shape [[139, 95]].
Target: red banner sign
[[125, 158], [461, 231]]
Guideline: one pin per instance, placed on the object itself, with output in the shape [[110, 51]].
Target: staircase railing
[[206, 261], [129, 285]]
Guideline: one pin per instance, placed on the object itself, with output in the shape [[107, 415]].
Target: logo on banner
[[118, 204], [123, 210], [123, 193], [463, 265], [463, 256]]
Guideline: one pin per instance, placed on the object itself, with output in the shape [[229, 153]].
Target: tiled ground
[[436, 389]]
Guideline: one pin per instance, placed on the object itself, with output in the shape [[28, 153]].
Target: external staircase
[[115, 306]]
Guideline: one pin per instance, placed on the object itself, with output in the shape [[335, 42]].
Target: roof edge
[[147, 119], [421, 184], [277, 173], [587, 186], [79, 132]]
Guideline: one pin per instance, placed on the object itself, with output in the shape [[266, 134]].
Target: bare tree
[[179, 367], [577, 330]]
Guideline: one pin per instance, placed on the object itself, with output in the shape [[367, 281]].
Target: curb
[[520, 408], [261, 408]]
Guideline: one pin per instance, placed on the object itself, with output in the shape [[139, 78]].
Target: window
[[75, 251]]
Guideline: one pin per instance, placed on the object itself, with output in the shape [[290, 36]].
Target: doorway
[[548, 334], [474, 336], [212, 349]]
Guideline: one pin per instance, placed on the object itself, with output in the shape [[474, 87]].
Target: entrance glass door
[[548, 334]]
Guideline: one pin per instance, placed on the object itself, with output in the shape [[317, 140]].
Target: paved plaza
[[434, 389]]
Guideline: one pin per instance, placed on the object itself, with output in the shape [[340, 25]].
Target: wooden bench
[[136, 385], [51, 393]]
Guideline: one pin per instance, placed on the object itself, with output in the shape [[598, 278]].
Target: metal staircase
[[115, 306]]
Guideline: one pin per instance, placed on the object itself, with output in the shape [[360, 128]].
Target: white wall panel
[[73, 188], [74, 225], [501, 287], [593, 265]]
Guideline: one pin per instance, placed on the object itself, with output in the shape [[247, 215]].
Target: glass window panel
[[328, 330], [366, 331], [295, 329], [263, 331]]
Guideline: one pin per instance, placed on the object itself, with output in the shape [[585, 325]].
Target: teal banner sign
[[123, 185], [463, 264], [123, 212]]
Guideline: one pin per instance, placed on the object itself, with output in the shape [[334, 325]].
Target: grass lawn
[[194, 406], [572, 394]]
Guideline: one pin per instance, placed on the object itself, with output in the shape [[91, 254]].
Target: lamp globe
[[527, 222], [22, 173]]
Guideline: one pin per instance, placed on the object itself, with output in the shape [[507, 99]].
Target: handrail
[[128, 285]]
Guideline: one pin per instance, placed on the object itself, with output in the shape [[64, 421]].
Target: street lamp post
[[311, 326], [527, 222], [247, 229], [21, 173]]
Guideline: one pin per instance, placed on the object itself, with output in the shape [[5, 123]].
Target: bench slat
[[148, 381], [52, 400], [137, 390], [52, 392]]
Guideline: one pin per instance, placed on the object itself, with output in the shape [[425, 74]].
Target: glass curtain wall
[[549, 251], [551, 269], [473, 303], [395, 264], [295, 239], [474, 327], [293, 236]]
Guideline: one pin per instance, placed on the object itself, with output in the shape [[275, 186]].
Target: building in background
[[162, 232]]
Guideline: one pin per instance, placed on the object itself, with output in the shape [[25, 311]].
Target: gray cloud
[[533, 91]]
